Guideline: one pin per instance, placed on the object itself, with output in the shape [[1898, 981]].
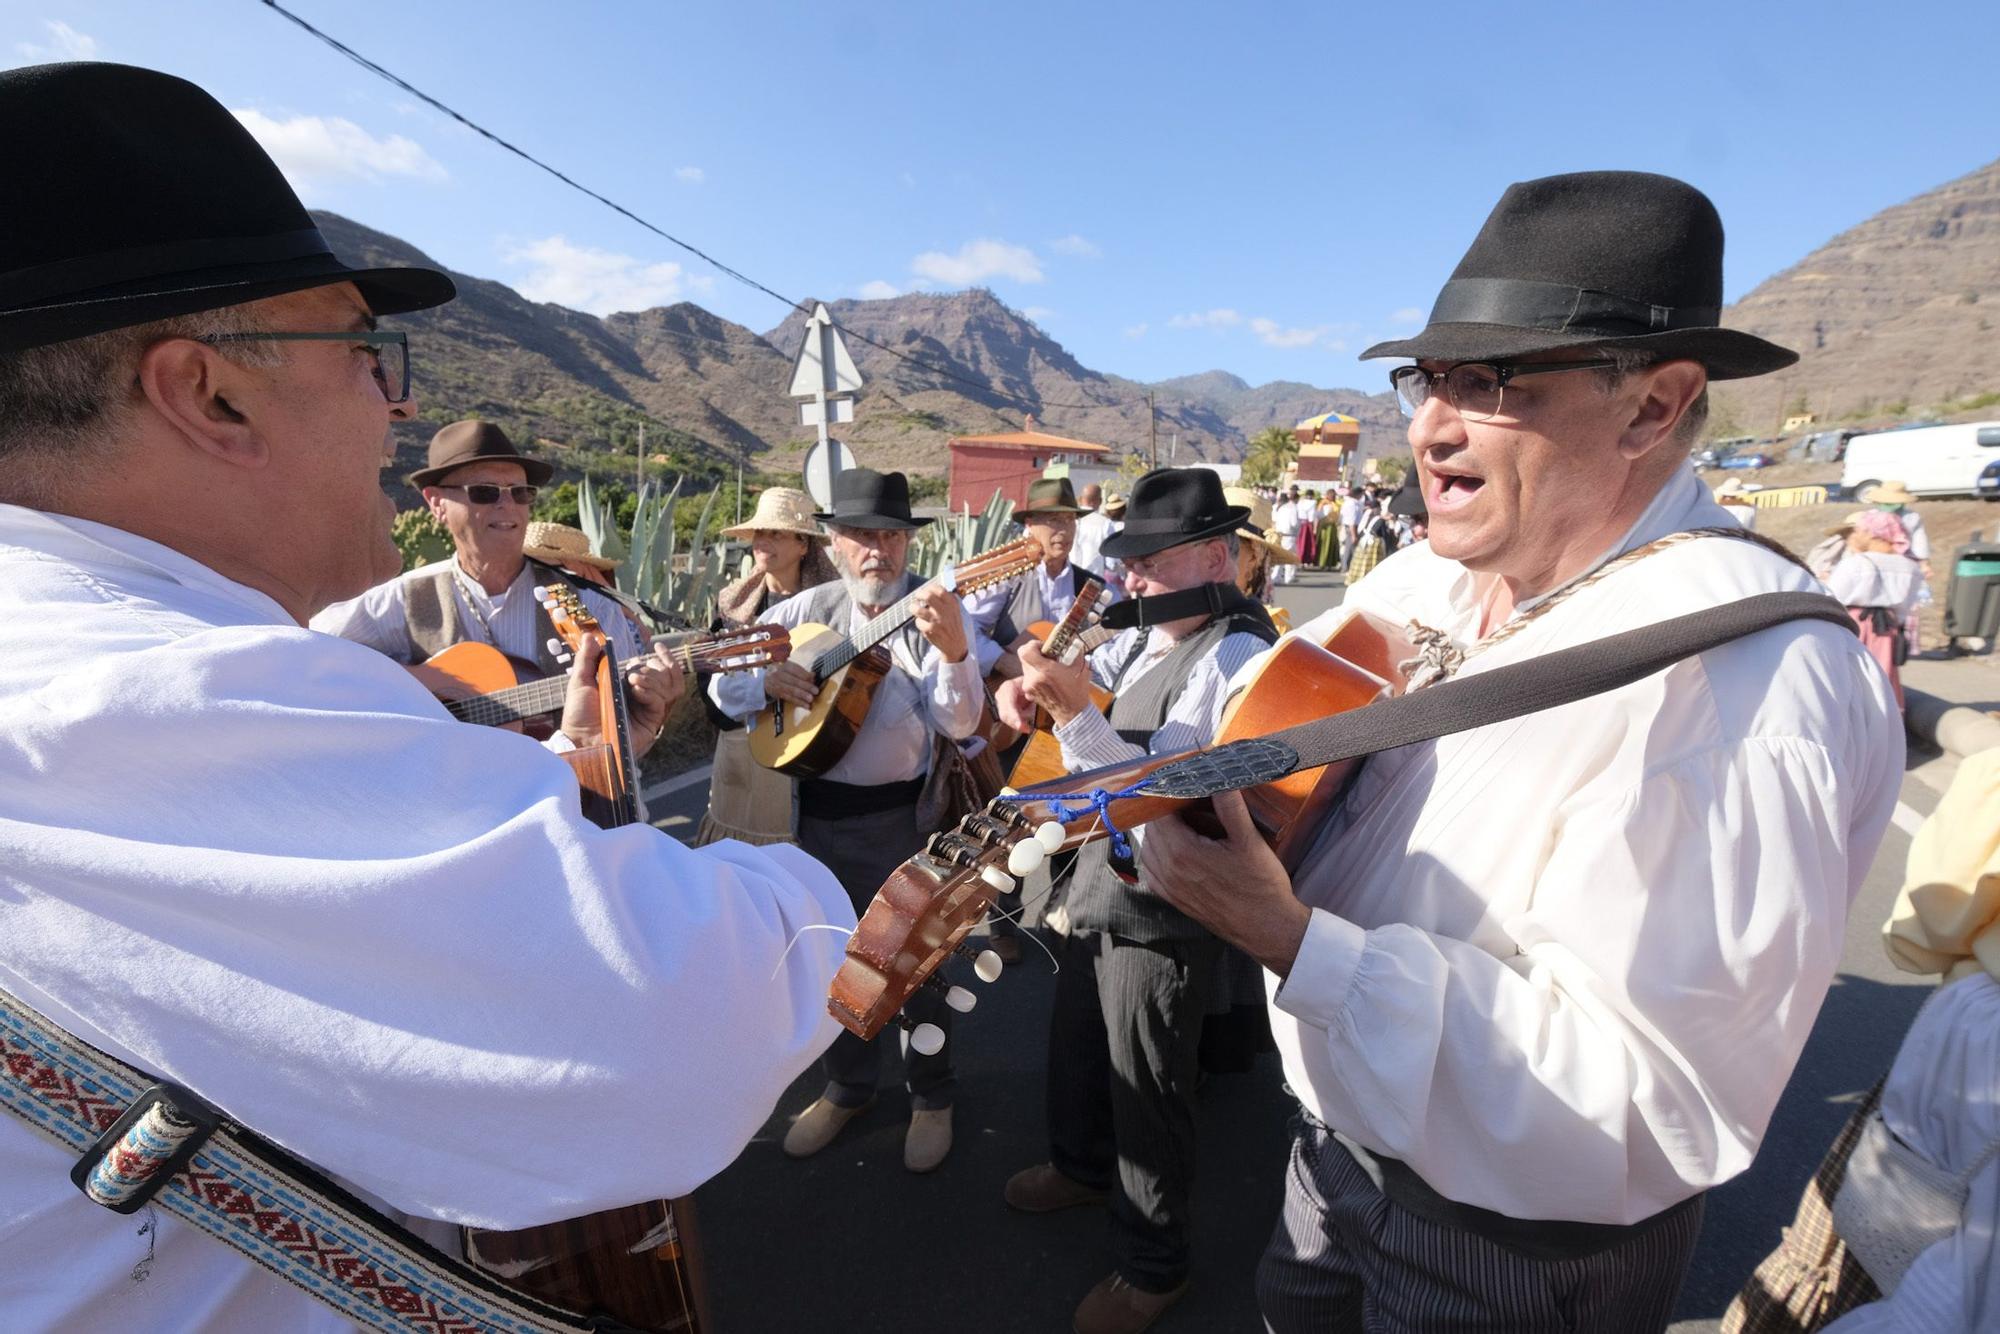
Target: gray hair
[[61, 403], [1626, 362]]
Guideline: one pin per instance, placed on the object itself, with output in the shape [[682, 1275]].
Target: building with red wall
[[1009, 461]]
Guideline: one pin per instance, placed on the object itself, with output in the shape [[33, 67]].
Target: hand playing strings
[[1061, 688], [654, 684], [1235, 885]]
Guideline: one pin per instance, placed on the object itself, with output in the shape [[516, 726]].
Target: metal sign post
[[826, 374]]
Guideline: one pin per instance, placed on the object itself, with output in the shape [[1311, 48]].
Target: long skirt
[[1882, 646], [1329, 544], [1308, 543], [745, 800]]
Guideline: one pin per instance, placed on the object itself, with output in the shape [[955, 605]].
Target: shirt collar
[[84, 542]]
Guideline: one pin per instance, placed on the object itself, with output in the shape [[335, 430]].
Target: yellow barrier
[[1785, 497]]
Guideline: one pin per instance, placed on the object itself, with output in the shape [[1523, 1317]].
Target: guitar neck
[[703, 654], [899, 614]]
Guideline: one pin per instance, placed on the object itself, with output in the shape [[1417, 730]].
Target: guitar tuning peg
[[999, 879], [925, 1039], [1024, 857], [958, 998], [1050, 834], [555, 646]]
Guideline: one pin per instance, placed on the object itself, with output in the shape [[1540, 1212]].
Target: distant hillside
[[1891, 318]]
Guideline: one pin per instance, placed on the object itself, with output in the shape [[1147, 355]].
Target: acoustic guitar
[[477, 683], [1089, 603], [920, 918], [637, 1267], [805, 740]]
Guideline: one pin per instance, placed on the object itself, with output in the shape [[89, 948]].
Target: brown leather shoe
[[1043, 1189], [1007, 946], [1116, 1307], [818, 1125], [928, 1139]]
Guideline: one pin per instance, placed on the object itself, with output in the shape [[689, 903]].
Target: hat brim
[[752, 528], [1727, 354], [391, 291], [554, 557], [538, 472], [1125, 544], [1072, 510], [878, 522]]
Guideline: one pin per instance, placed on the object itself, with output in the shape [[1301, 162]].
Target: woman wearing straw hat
[[561, 545], [1880, 585], [1259, 553], [1730, 495], [745, 800]]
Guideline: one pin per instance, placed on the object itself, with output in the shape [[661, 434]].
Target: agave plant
[[957, 537], [655, 565]]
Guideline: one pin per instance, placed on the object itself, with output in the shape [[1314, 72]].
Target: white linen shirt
[[1087, 549], [1562, 966], [263, 863], [1089, 741], [916, 700], [1878, 579], [511, 621]]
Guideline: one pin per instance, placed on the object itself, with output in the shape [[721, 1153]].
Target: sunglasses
[[487, 493]]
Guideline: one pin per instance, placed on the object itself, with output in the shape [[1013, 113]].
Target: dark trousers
[[1345, 1259], [1122, 1067], [862, 851]]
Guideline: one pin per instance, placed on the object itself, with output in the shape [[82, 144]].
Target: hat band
[[1524, 303], [1189, 526], [32, 286]]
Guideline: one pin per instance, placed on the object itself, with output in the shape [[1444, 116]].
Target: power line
[[945, 372]]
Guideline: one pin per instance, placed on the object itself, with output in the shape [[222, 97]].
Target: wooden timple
[[922, 915]]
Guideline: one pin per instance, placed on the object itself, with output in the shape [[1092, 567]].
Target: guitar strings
[[800, 935]]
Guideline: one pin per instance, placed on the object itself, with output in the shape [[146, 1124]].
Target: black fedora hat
[[475, 441], [1172, 506], [864, 498], [135, 196], [1620, 259]]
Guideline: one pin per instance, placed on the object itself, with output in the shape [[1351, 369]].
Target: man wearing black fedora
[[1138, 975], [481, 488], [860, 816], [257, 881], [1538, 985]]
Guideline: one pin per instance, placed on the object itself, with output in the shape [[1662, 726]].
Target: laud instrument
[[805, 740]]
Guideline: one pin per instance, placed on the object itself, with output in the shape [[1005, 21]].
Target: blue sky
[[1167, 188]]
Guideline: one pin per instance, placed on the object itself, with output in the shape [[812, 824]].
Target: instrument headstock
[[572, 620], [1090, 602], [732, 650], [1010, 560]]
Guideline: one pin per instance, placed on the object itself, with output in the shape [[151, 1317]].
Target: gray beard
[[870, 592]]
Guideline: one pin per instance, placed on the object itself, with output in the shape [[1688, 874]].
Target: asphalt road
[[849, 1240]]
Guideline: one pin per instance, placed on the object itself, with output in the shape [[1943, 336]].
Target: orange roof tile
[[1027, 440]]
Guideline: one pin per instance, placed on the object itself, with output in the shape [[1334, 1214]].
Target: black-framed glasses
[[488, 493], [388, 351], [1475, 388]]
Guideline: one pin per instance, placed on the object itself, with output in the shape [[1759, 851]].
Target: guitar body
[[1041, 760], [805, 740], [467, 671], [637, 1265]]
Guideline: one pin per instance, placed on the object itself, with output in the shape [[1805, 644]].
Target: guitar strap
[[1461, 704], [144, 1142]]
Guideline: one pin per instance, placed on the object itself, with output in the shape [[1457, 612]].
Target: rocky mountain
[[1893, 318]]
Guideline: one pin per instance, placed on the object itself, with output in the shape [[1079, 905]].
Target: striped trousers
[[1344, 1258]]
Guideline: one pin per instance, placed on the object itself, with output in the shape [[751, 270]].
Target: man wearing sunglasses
[[258, 864], [481, 488], [1539, 985]]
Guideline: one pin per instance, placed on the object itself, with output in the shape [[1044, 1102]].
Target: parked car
[[1747, 461], [1823, 446], [1930, 460], [1988, 485]]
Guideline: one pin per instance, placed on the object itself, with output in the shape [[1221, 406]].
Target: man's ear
[[434, 500], [1666, 392], [194, 388]]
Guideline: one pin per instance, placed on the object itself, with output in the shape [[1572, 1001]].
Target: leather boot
[[1116, 1307]]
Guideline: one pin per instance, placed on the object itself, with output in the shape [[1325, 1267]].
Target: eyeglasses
[[487, 493], [389, 353], [1153, 566], [1475, 388]]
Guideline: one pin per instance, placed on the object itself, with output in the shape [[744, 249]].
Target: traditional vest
[[1024, 606], [431, 612], [829, 605], [1098, 899]]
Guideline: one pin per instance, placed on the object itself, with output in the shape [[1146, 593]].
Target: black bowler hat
[[864, 498], [1172, 506], [475, 441], [1620, 259], [134, 196]]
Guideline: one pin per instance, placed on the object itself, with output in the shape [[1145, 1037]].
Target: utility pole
[[1152, 433], [639, 461]]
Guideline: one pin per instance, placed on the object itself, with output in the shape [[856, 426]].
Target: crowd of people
[[1536, 985]]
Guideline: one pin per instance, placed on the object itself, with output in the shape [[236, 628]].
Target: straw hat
[[1113, 506], [1257, 528], [780, 509], [558, 543], [1890, 493], [1731, 486]]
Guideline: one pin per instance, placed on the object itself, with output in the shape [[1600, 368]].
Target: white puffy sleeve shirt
[[263, 863], [1563, 966]]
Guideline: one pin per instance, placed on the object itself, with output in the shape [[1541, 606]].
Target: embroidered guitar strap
[[143, 1142]]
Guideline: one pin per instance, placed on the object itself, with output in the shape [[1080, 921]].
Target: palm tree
[[1268, 452]]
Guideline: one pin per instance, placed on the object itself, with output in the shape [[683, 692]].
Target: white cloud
[[879, 290], [1273, 334], [65, 43], [1076, 246], [1137, 330], [1407, 315], [977, 261], [328, 148], [692, 175], [599, 281], [909, 181], [1039, 314], [1220, 318], [1336, 345]]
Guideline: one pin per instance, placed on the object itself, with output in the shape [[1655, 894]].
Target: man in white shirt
[[860, 816], [1137, 976], [1092, 527], [1350, 524], [481, 489], [1286, 516], [261, 863], [1539, 985]]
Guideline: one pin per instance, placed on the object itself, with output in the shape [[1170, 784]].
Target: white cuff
[[1315, 991], [559, 742]]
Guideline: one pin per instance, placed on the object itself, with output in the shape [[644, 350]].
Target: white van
[[1930, 460]]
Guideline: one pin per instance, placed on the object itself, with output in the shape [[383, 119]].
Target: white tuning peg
[[1025, 856], [997, 878], [987, 967], [555, 646], [1051, 835], [927, 1039], [958, 998], [542, 595]]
